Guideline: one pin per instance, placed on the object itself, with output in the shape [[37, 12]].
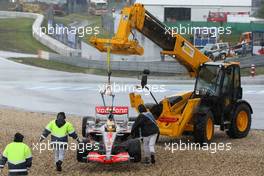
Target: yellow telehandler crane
[[217, 95]]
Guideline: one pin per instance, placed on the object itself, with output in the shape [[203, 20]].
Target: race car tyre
[[84, 124], [82, 152], [134, 150]]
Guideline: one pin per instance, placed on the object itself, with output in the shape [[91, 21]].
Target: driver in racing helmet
[[110, 124]]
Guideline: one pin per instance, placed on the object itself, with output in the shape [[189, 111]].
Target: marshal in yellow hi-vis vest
[[18, 155], [59, 129], [59, 134]]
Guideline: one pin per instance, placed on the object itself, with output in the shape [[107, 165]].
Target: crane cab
[[219, 79], [218, 85]]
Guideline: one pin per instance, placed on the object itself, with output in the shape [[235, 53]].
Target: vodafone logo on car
[[117, 110]]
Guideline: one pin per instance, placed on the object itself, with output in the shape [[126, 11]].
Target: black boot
[[58, 166], [152, 158]]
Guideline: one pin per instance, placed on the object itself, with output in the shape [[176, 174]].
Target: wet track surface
[[37, 89]]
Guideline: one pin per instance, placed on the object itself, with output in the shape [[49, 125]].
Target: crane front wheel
[[204, 128]]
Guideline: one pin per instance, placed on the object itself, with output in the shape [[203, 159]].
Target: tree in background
[[261, 10], [4, 4]]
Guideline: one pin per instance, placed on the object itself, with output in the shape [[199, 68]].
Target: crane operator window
[[208, 80]]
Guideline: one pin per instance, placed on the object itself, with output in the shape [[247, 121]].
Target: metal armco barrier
[[155, 66]]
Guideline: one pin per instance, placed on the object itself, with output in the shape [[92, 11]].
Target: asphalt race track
[[36, 89]]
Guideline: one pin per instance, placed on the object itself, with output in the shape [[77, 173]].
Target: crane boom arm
[[174, 45]]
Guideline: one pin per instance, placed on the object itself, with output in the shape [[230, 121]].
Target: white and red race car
[[110, 133]]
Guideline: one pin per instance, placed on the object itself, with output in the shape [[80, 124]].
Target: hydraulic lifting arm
[[174, 45]]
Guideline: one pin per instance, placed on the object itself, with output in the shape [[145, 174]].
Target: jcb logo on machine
[[187, 49]]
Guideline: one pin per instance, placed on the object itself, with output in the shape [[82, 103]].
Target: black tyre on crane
[[240, 121], [204, 128]]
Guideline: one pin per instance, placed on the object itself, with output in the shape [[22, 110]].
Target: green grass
[[247, 71], [68, 19], [102, 33], [93, 20], [16, 35], [50, 65], [74, 69]]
